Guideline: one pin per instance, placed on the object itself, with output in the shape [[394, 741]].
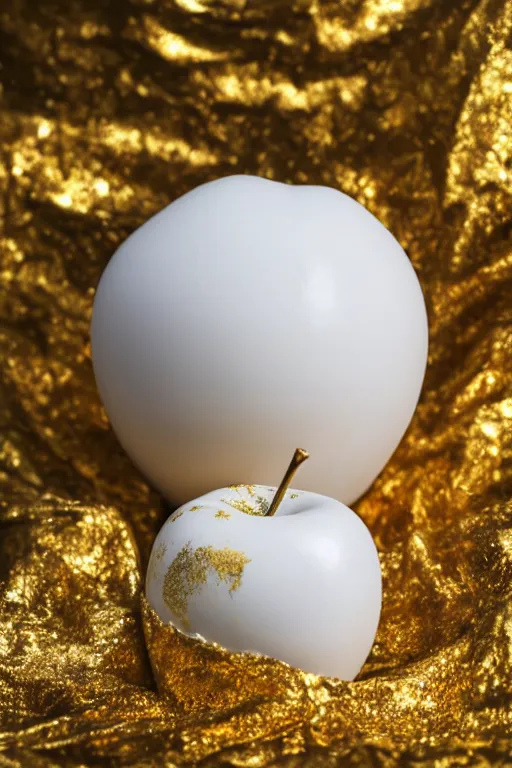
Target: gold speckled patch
[[241, 504], [222, 515], [156, 557], [249, 488], [262, 506], [257, 505], [160, 551], [259, 508], [196, 507], [189, 571]]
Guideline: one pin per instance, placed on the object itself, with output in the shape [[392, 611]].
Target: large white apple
[[249, 316], [303, 586]]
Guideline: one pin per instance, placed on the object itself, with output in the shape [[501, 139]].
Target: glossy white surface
[[250, 317], [310, 594]]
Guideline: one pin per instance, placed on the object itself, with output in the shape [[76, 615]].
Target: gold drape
[[110, 110]]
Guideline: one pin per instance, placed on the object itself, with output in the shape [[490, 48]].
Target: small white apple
[[250, 315], [302, 586]]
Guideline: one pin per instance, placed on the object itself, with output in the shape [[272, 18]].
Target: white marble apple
[[302, 586], [250, 315]]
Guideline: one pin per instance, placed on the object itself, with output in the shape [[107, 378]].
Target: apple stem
[[299, 456]]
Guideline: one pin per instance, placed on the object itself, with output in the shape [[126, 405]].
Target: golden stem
[[298, 457]]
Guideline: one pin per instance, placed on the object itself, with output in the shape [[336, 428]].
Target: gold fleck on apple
[[189, 571]]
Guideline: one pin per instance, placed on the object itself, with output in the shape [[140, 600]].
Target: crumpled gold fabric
[[109, 111]]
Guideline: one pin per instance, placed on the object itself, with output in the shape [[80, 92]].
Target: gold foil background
[[110, 110]]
